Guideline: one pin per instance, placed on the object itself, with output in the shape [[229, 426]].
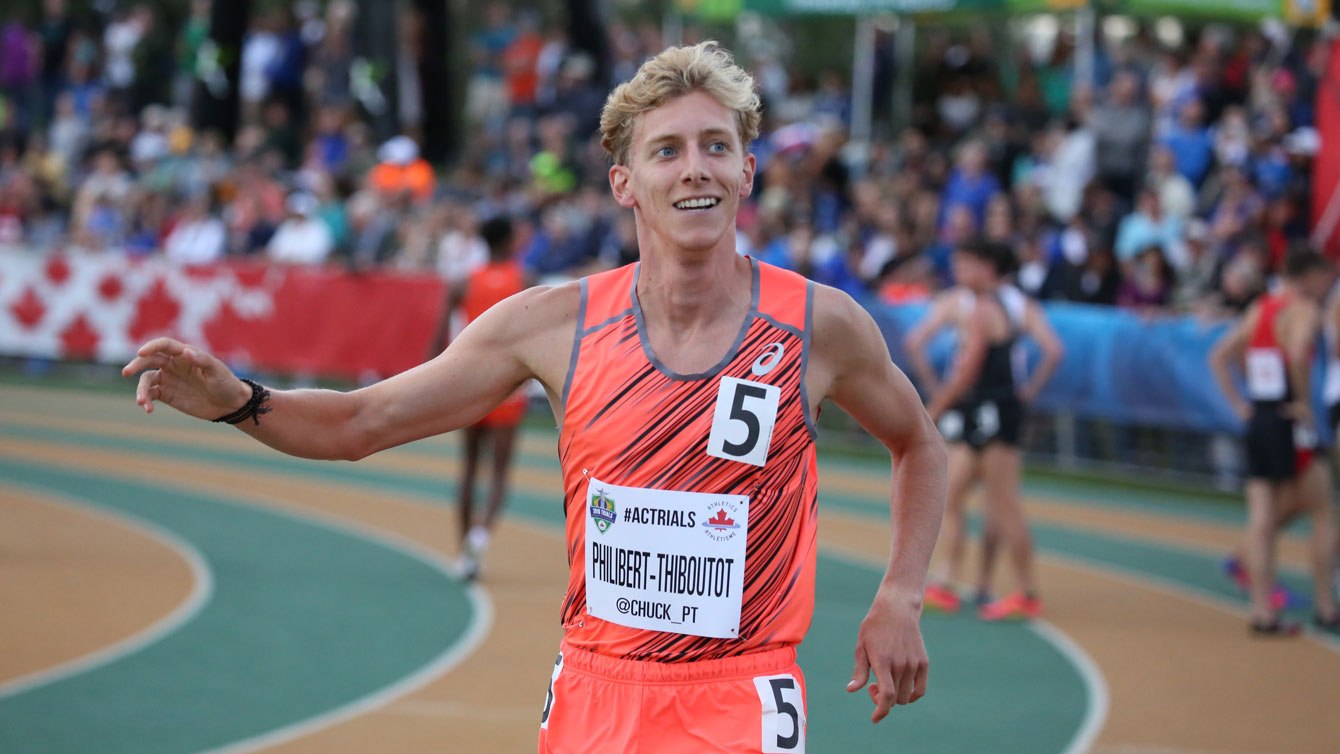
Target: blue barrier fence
[[1118, 367]]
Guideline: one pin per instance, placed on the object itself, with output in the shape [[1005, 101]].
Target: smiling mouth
[[702, 202]]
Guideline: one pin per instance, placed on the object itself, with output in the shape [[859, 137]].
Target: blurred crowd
[[1175, 179]]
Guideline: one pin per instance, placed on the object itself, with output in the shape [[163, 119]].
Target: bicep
[[456, 388]]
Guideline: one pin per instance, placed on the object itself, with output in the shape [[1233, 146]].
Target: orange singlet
[[485, 287], [690, 504]]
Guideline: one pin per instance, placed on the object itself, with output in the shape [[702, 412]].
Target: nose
[[695, 166]]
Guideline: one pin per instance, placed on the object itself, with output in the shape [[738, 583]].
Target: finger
[[861, 673], [169, 346], [146, 392], [883, 691], [923, 675], [905, 682], [140, 363]]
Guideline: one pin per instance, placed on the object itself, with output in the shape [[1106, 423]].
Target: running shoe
[[942, 599], [1275, 628], [1015, 607], [1329, 625], [1281, 597], [467, 566]]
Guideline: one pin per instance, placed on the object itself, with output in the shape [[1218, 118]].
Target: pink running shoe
[[1015, 607], [942, 599]]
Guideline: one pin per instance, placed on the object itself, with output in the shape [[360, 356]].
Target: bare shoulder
[[844, 340], [839, 322]]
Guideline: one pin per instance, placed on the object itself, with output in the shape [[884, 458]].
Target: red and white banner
[[294, 320]]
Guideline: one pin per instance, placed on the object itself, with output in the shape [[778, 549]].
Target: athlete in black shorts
[[979, 409], [1274, 342]]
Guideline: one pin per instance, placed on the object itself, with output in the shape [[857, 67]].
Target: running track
[[171, 586]]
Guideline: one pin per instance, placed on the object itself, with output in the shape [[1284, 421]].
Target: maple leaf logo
[[721, 520]]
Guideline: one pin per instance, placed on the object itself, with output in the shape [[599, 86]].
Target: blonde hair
[[677, 71]]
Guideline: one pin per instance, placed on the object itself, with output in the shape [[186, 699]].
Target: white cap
[[399, 150], [301, 203]]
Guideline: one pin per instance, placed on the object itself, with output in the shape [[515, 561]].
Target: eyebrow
[[707, 132]]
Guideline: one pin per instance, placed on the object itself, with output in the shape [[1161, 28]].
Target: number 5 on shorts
[[783, 714]]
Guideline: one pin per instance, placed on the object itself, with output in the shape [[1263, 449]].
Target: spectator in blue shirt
[[970, 185], [1191, 143]]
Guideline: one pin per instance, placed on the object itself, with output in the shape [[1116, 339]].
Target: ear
[[747, 185], [621, 186]]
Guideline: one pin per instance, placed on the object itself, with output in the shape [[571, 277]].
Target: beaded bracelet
[[252, 409]]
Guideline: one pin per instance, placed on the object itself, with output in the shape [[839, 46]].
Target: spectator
[[1190, 142], [1121, 127], [1147, 226], [401, 170], [1176, 195], [199, 235], [1148, 282], [970, 184], [302, 238]]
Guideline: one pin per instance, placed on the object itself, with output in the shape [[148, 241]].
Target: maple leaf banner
[[314, 321]]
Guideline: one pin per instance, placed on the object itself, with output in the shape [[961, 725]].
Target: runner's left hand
[[889, 645]]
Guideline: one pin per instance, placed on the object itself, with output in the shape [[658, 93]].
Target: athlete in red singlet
[[497, 280], [686, 388], [1274, 344]]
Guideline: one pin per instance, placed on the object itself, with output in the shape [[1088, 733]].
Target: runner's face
[[969, 271], [686, 174]]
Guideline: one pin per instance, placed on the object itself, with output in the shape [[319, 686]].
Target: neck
[[685, 293]]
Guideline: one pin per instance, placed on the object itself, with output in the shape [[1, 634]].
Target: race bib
[[1266, 378], [666, 561]]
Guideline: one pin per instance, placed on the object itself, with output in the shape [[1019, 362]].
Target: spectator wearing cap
[[401, 170], [302, 238]]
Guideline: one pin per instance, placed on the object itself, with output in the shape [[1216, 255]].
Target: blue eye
[[718, 147], [665, 152]]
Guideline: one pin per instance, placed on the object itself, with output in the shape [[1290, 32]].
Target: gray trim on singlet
[[792, 329], [730, 353], [576, 343], [805, 359]]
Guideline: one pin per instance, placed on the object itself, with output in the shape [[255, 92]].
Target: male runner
[[686, 388], [1274, 343], [498, 279], [980, 411]]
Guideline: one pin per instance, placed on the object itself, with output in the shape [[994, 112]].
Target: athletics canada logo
[[720, 524], [602, 511]]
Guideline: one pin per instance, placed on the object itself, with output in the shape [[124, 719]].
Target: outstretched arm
[[1040, 330], [852, 365], [508, 344]]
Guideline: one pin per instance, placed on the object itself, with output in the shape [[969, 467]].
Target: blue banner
[[1118, 366]]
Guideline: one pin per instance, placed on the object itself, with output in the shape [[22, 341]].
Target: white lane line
[[481, 620], [202, 589], [1099, 700]]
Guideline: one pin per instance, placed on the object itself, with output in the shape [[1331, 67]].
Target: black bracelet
[[252, 409]]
